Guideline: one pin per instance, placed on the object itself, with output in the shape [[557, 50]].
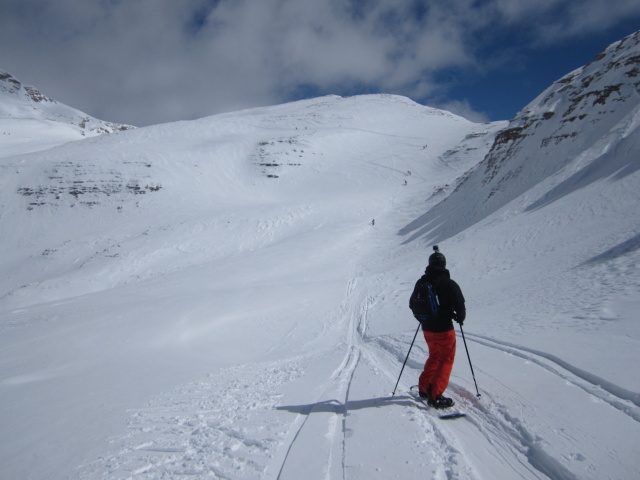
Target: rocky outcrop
[[19, 101]]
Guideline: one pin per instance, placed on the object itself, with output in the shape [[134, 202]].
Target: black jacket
[[450, 297]]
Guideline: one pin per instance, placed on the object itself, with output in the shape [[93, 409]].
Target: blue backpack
[[425, 304]]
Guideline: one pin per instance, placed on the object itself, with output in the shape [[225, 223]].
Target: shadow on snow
[[335, 406]]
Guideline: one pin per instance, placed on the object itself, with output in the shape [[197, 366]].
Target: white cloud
[[148, 61], [549, 21], [464, 109]]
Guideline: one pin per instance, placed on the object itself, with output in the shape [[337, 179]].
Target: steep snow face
[[31, 121], [549, 137]]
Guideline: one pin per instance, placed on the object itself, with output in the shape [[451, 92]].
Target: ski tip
[[451, 416]]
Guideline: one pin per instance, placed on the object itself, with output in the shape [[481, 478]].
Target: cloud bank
[[152, 61]]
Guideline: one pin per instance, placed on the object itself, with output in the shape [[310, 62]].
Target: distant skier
[[373, 222], [438, 329]]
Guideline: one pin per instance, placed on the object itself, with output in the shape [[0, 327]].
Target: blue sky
[[152, 61], [503, 91]]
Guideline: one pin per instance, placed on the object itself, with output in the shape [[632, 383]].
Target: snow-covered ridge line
[[545, 139], [30, 121], [19, 101]]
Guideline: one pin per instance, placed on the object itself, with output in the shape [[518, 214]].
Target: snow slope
[[31, 121], [209, 298]]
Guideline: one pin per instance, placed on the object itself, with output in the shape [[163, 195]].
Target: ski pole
[[469, 357], [405, 360]]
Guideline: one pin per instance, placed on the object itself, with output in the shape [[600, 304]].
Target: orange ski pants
[[437, 369]]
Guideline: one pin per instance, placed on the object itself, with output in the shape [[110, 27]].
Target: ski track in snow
[[616, 396], [209, 429], [219, 436]]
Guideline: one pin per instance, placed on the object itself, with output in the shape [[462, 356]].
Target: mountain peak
[[31, 121], [12, 86], [574, 111], [567, 126]]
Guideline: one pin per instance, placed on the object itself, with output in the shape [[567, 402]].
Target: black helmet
[[436, 259]]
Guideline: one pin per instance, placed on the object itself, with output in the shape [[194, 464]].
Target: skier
[[438, 331]]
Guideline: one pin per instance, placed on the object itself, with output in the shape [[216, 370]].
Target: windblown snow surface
[[210, 299]]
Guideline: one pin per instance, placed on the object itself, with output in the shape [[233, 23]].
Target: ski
[[451, 415]]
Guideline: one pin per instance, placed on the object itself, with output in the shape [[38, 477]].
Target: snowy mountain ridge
[[549, 135], [31, 121], [255, 157], [211, 298]]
